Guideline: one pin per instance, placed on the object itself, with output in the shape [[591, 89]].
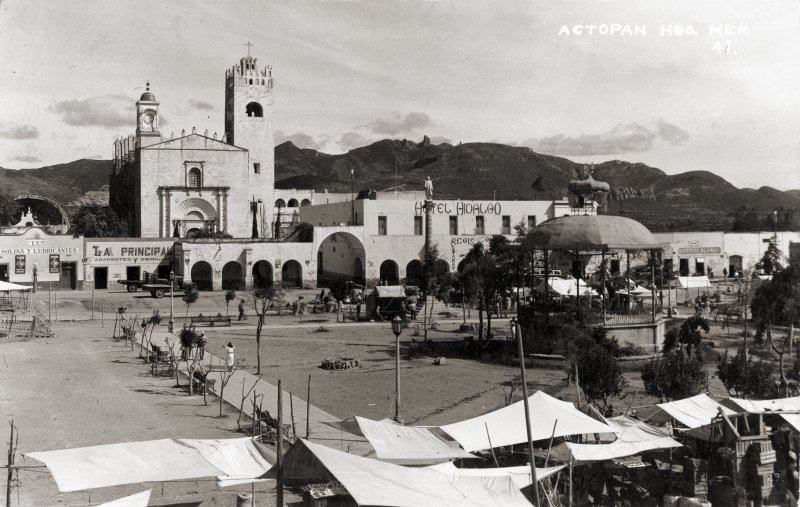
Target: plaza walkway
[[267, 395]]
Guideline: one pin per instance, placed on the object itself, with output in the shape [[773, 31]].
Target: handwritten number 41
[[722, 47]]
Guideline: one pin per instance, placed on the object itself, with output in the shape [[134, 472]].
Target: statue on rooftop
[[428, 189]]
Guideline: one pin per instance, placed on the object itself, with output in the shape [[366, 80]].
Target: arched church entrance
[[232, 277], [339, 260], [389, 273], [262, 275], [292, 275], [202, 277]]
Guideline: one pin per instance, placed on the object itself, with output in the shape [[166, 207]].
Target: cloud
[[350, 140], [396, 124], [14, 131], [299, 139], [628, 138], [671, 133], [102, 111], [199, 104], [26, 158]]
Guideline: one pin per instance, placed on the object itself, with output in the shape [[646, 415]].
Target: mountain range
[[696, 200]]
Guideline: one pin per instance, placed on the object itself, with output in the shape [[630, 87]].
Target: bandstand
[[589, 243]]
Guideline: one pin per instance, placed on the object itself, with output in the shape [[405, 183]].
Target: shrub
[[674, 376], [750, 378]]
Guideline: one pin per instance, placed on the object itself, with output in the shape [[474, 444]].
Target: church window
[[251, 81], [254, 109], [257, 168], [195, 178]]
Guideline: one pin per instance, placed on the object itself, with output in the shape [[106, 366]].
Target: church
[[179, 186]]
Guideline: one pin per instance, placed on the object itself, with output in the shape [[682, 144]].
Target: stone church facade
[[179, 186]]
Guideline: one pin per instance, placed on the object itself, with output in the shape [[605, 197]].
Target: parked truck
[[152, 283]]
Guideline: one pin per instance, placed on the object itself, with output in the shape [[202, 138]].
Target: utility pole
[[352, 198]]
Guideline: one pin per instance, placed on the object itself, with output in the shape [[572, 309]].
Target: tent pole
[[489, 438], [603, 278], [279, 447], [528, 424], [653, 283], [570, 481], [308, 409]]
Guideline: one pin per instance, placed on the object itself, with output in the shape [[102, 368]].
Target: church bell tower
[[249, 124], [147, 119]]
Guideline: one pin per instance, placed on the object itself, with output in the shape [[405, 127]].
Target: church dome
[[148, 96]]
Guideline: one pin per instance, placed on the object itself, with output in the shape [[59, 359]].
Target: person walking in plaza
[[231, 351], [242, 316]]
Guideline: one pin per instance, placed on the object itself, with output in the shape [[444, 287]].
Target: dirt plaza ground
[[83, 388]]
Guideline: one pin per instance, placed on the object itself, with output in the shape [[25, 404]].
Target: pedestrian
[[725, 273], [358, 308], [321, 295], [242, 316], [412, 348], [231, 350]]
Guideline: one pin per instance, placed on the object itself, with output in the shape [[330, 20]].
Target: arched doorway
[[232, 278], [293, 203], [202, 277], [734, 265], [389, 273], [414, 273], [305, 202], [358, 271], [292, 275], [262, 275], [442, 267], [336, 260]]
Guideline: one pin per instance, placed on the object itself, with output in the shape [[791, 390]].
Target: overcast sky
[[349, 73]]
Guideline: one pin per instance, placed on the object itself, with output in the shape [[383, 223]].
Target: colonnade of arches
[[292, 203], [233, 277]]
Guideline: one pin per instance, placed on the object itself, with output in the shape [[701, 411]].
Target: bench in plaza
[[211, 319]]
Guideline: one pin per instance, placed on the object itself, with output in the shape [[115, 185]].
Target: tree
[[594, 354], [771, 261], [229, 296], [479, 278], [193, 344], [745, 377], [775, 303], [190, 296], [600, 374], [689, 333], [9, 209], [674, 376], [95, 221], [262, 300]]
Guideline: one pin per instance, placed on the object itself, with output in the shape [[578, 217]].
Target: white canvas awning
[[507, 425], [693, 282], [408, 445], [376, 483], [568, 287], [603, 452], [6, 286], [691, 412], [521, 475], [136, 500], [390, 291], [773, 406], [152, 461]]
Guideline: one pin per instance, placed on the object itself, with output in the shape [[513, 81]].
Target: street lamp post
[[35, 276], [397, 328], [171, 326], [254, 206]]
